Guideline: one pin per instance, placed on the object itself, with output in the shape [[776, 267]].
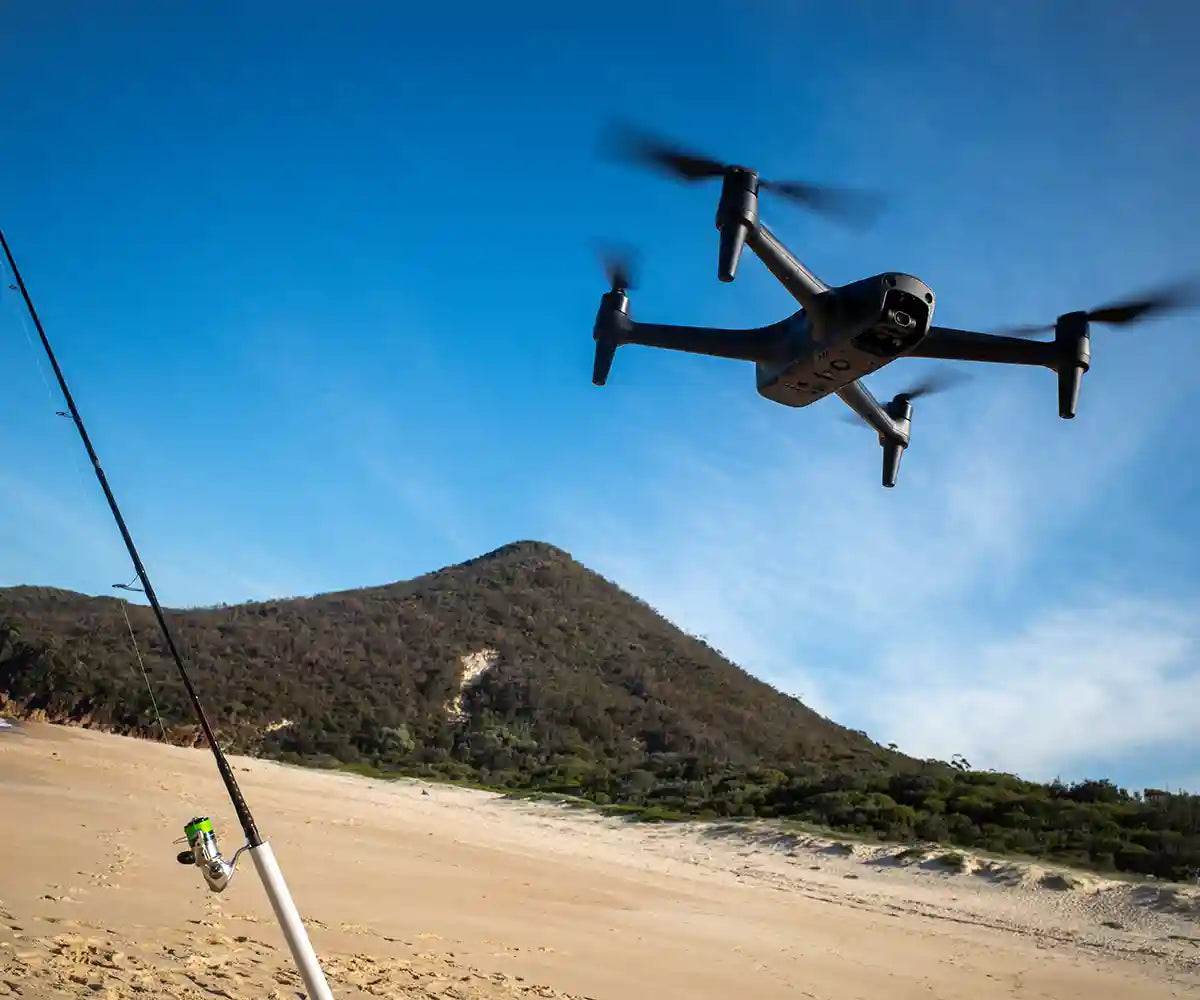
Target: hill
[[524, 670]]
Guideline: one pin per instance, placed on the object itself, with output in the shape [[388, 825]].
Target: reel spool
[[204, 853]]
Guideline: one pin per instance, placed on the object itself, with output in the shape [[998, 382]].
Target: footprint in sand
[[286, 977], [59, 920], [221, 940]]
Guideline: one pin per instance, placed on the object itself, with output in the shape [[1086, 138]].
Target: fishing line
[[23, 321], [22, 318], [199, 832], [145, 676], [227, 776]]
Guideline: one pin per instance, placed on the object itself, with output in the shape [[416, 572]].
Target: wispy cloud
[[73, 543], [1106, 677], [360, 422], [424, 495], [33, 512], [946, 614]]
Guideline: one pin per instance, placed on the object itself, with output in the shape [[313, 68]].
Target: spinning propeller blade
[[1166, 298], [619, 268], [1163, 299], [851, 205], [936, 381], [933, 383], [627, 142]]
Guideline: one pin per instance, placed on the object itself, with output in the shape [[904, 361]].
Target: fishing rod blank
[[202, 843]]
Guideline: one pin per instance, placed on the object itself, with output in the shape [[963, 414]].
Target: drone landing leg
[[900, 410], [893, 451]]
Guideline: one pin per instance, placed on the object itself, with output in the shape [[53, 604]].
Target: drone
[[841, 333]]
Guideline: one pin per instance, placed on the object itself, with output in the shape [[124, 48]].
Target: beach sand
[[413, 889]]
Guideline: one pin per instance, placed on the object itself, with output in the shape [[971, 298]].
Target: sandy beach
[[415, 889]]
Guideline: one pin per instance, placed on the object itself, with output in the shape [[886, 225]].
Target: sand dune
[[415, 890]]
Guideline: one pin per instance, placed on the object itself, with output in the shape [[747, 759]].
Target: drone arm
[[859, 398], [614, 327], [762, 344], [964, 345], [803, 285]]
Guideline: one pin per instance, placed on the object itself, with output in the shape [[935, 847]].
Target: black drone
[[840, 334]]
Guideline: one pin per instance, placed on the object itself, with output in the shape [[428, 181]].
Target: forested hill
[[580, 669], [523, 669]]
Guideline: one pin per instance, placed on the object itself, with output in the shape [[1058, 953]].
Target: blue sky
[[322, 280]]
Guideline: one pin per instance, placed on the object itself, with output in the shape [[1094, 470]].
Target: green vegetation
[[592, 696], [952, 861]]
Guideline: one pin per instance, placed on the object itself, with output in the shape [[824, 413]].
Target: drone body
[[840, 334], [878, 319]]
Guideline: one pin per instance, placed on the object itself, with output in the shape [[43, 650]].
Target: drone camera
[[737, 215], [905, 312], [901, 322]]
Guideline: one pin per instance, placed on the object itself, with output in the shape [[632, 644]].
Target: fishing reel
[[204, 853]]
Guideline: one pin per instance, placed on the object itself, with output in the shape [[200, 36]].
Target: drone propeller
[[618, 264], [628, 142], [936, 381], [849, 205], [1163, 299], [933, 383]]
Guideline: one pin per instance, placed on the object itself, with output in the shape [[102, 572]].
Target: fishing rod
[[202, 842]]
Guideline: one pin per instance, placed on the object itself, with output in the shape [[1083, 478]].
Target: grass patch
[[952, 861]]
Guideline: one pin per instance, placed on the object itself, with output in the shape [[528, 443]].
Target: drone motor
[[612, 318]]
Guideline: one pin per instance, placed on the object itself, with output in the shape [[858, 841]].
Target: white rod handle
[[289, 919]]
